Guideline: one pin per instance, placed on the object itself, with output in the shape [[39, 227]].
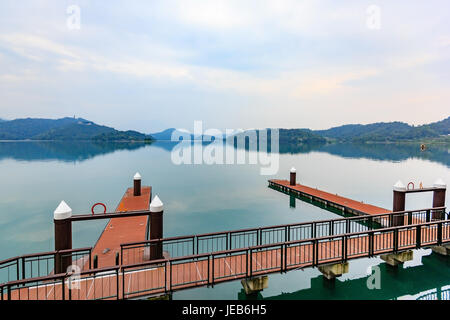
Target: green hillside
[[386, 132], [64, 129]]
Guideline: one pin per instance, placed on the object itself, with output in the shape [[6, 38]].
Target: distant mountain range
[[64, 129], [386, 132], [358, 133], [81, 129]]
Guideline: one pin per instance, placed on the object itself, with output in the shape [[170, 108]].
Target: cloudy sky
[[150, 65]]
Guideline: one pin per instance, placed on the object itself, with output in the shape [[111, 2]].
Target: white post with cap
[[398, 204], [293, 177], [156, 228], [63, 236], [439, 198], [137, 184]]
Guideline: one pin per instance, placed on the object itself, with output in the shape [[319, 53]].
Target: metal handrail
[[318, 222], [282, 246]]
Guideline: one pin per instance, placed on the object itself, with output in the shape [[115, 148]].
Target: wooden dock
[[122, 230], [140, 277], [160, 277], [334, 200]]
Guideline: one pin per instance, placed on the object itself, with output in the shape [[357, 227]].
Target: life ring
[[98, 204], [409, 184]]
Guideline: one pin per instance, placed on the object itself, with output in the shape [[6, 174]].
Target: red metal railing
[[168, 275]]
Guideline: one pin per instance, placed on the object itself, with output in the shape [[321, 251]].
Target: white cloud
[[262, 58], [31, 46]]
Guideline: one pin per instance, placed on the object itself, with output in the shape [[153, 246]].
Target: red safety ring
[[409, 184], [98, 204]]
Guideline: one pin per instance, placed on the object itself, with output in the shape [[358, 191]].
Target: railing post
[[251, 263], [228, 240], [313, 230], [331, 228], [344, 248], [370, 223], [23, 268], [170, 280], [410, 217], [246, 263], [117, 283], [395, 240], [259, 236], [316, 254], [196, 245], [418, 237], [288, 233], [208, 269], [347, 226], [427, 219], [212, 270], [281, 258], [70, 290], [123, 282], [371, 237], [439, 233], [17, 269], [285, 256], [63, 294], [165, 276], [9, 292]]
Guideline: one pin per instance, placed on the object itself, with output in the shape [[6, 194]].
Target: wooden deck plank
[[122, 230]]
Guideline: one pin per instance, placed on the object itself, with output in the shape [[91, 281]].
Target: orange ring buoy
[[98, 204], [409, 184]]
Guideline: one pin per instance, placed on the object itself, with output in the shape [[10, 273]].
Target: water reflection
[[69, 151], [61, 150]]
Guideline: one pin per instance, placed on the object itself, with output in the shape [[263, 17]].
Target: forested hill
[[386, 131], [64, 129]]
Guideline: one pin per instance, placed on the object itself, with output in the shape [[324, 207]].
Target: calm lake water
[[36, 176]]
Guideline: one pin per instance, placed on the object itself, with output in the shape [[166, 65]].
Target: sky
[[150, 65]]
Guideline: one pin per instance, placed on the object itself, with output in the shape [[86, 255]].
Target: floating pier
[[333, 200], [354, 207]]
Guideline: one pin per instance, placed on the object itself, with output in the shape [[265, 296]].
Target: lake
[[36, 176]]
